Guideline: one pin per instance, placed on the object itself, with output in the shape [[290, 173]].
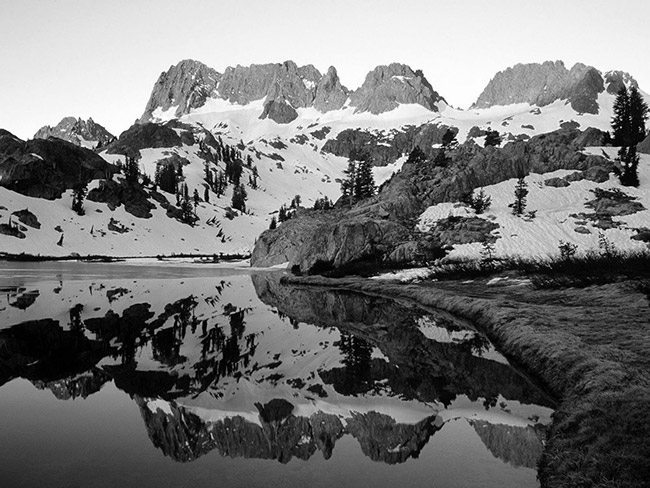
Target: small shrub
[[607, 248], [567, 249], [487, 254], [480, 203]]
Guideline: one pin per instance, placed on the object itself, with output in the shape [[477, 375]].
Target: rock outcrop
[[279, 111], [386, 148], [45, 168], [330, 94], [150, 135], [615, 80], [380, 231], [84, 133], [184, 86], [386, 87], [543, 84]]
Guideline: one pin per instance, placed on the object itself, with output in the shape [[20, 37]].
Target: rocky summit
[[542, 84], [386, 87], [286, 87], [85, 133]]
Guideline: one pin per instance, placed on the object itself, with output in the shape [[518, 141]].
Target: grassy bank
[[555, 272], [590, 346]]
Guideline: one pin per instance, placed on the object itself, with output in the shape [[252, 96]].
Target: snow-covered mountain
[[294, 129]]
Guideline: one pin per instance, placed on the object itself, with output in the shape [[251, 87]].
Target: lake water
[[179, 375]]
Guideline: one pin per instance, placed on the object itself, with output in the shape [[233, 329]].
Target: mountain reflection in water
[[213, 368]]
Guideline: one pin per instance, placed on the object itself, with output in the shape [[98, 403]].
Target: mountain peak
[[84, 133], [542, 84], [387, 86], [186, 85]]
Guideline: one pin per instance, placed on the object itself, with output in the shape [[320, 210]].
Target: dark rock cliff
[[45, 168]]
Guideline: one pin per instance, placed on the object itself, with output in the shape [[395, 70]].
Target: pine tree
[[187, 212], [492, 138], [282, 214], [621, 120], [629, 160], [349, 181], [206, 194], [239, 198], [166, 178], [628, 127], [638, 116], [274, 223], [78, 196], [449, 139], [132, 170], [195, 197], [364, 186], [521, 191]]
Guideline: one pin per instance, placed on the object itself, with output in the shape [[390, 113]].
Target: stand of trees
[[359, 182], [628, 129], [492, 138]]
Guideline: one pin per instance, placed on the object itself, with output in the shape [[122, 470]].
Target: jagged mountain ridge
[[542, 84], [305, 155], [84, 133], [285, 88]]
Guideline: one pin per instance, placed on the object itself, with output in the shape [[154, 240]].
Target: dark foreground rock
[[45, 168]]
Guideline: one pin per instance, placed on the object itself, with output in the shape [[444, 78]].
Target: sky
[[100, 58]]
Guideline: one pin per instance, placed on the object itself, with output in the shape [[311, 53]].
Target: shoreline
[[103, 258], [567, 340]]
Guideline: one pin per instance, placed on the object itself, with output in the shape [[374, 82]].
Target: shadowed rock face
[[85, 133], [386, 87], [542, 84], [244, 84], [150, 135], [186, 85], [330, 94], [45, 168], [615, 80], [380, 230], [279, 111], [386, 149]]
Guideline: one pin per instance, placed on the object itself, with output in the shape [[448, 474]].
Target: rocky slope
[[84, 133], [183, 87], [380, 230], [543, 84]]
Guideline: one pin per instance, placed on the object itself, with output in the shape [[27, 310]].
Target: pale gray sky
[[100, 58]]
